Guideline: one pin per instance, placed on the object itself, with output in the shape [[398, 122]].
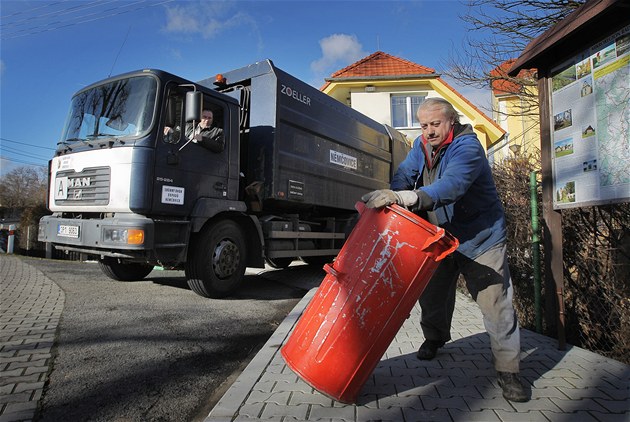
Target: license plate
[[68, 231]]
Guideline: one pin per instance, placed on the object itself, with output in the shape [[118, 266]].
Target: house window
[[404, 108]]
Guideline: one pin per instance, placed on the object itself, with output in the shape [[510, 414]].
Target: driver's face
[[206, 118]]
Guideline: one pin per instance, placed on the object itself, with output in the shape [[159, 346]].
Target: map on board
[[613, 115], [591, 125]]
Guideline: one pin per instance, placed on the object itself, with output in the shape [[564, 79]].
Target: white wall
[[377, 105], [373, 104]]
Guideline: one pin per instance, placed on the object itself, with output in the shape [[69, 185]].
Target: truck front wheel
[[216, 261], [122, 271]]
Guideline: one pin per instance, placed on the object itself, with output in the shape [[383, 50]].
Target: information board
[[590, 105]]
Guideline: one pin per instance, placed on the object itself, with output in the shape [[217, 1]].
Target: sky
[[51, 49]]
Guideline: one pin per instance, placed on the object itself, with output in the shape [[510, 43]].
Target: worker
[[447, 176]]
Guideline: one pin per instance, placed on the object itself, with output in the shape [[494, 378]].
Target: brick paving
[[459, 385], [30, 309]]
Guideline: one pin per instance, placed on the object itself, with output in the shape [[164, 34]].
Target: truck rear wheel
[[123, 271], [216, 262]]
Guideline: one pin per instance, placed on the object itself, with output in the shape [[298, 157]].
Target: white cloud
[[180, 19], [207, 19], [6, 166], [338, 51]]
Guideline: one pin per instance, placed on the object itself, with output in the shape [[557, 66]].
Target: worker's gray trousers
[[488, 281]]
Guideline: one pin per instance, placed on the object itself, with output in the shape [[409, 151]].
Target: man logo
[[79, 182]]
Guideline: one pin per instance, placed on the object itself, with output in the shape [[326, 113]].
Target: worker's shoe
[[513, 388], [429, 349]]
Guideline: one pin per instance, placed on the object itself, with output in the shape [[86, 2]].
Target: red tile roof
[[382, 64], [502, 84]]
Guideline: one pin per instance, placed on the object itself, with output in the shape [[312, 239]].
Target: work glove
[[384, 197]]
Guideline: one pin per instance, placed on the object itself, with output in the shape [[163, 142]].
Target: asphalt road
[[154, 350]]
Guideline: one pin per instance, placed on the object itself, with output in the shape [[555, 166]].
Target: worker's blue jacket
[[465, 199]]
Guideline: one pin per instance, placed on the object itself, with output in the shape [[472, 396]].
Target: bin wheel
[[120, 270], [279, 263], [216, 261]]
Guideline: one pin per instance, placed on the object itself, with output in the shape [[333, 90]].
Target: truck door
[[191, 157]]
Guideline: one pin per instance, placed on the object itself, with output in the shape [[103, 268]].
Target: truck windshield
[[122, 108]]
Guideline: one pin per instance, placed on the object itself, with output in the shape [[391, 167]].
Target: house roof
[[385, 67], [379, 64], [502, 84]]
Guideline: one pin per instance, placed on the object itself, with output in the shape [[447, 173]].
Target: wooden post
[[552, 225]]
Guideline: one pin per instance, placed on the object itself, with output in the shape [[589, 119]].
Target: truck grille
[[88, 187]]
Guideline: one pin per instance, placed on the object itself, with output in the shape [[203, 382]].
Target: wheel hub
[[225, 259]]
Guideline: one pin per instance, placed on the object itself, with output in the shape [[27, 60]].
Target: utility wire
[[23, 162], [61, 23], [12, 151], [18, 152], [72, 9], [24, 143], [103, 14], [21, 12]]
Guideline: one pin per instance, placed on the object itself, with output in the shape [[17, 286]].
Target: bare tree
[[23, 187], [502, 29], [23, 196]]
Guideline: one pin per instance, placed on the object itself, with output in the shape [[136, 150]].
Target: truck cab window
[[121, 108], [172, 128], [208, 132]]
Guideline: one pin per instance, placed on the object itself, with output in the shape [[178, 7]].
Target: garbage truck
[[131, 186]]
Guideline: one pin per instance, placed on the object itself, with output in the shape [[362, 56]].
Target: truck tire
[[216, 262], [122, 271]]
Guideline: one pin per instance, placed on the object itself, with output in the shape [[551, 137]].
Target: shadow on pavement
[[269, 284]]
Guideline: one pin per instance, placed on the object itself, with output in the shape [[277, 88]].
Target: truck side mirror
[[171, 113], [194, 104]]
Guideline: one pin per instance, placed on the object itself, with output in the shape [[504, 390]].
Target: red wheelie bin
[[365, 297]]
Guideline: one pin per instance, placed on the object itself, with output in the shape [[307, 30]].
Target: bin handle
[[447, 252], [360, 207], [436, 238], [331, 270]]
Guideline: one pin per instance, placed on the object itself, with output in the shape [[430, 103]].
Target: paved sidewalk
[[459, 385], [30, 308]]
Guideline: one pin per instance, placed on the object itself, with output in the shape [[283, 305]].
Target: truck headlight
[[123, 235]]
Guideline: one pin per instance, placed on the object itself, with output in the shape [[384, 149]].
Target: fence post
[[11, 238], [533, 189]]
